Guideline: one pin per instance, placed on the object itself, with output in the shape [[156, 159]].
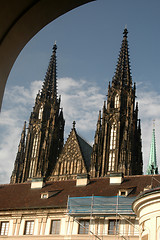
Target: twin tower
[[117, 144]]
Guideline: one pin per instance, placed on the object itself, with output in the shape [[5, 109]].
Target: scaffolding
[[101, 206]]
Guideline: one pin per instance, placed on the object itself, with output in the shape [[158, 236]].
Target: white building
[[99, 208]]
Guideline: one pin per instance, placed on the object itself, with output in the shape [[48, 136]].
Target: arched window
[[40, 112], [111, 161], [33, 155], [112, 147], [116, 101], [113, 136], [35, 146]]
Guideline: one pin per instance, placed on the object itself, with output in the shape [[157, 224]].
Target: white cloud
[[81, 101]]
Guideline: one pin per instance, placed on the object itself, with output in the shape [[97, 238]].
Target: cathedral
[[74, 191], [117, 144]]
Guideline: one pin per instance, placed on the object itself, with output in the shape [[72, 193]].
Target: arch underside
[[20, 21]]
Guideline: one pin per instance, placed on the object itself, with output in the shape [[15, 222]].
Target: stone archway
[[20, 21]]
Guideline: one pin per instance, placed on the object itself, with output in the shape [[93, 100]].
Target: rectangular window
[[4, 228], [83, 227], [29, 227], [55, 227], [113, 227]]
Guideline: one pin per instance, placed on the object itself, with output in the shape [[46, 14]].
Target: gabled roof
[[21, 196], [86, 150], [75, 149]]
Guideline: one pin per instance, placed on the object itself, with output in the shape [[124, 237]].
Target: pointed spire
[[122, 74], [49, 89], [18, 165], [23, 136], [152, 166]]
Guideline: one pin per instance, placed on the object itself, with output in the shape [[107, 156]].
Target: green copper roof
[[152, 166]]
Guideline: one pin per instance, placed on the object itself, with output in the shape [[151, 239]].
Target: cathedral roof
[[22, 196], [86, 150]]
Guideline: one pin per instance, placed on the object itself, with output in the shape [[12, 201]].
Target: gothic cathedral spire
[[117, 144], [122, 74], [19, 162], [152, 166], [44, 139]]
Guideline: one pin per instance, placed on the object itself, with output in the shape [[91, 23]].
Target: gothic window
[[111, 161], [40, 112], [29, 227], [4, 228], [35, 146], [116, 101], [113, 136], [31, 170], [55, 227], [112, 147]]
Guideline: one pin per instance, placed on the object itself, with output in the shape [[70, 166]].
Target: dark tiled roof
[[20, 196], [86, 150]]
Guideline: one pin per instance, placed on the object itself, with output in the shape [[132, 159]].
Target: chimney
[[37, 183], [82, 179], [116, 178]]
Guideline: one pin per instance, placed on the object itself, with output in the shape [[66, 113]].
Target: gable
[[74, 158]]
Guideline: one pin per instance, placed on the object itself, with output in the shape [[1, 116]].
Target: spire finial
[[74, 124], [55, 47], [154, 123], [125, 32]]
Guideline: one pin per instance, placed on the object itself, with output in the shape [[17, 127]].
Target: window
[[34, 154], [123, 193], [112, 147], [113, 136], [83, 226], [4, 228], [44, 195], [113, 227], [111, 161], [35, 145], [116, 101], [40, 113], [29, 227], [55, 227]]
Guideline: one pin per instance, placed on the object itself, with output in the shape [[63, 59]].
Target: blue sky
[[88, 40]]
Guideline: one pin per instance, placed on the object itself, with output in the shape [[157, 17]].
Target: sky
[[88, 40]]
